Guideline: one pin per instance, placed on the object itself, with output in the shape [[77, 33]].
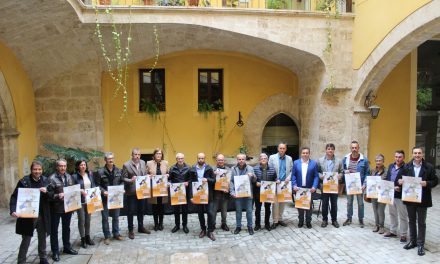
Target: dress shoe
[[274, 226], [403, 239], [375, 229], [202, 233], [361, 223], [309, 225], [257, 227], [156, 227], [281, 223], [267, 227], [211, 236], [300, 224], [237, 230], [160, 226], [118, 237], [420, 250], [347, 222], [324, 224], [70, 251], [225, 227], [381, 231], [56, 256], [143, 230], [107, 241], [83, 243], [44, 261], [335, 224], [389, 234], [131, 235], [185, 229], [89, 241], [175, 229], [410, 245], [251, 231]]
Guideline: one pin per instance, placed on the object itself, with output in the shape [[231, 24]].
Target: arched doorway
[[280, 128]]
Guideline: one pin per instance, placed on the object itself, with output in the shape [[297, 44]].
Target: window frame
[[161, 105]]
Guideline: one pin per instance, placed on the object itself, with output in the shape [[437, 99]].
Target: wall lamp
[[369, 103], [240, 122]]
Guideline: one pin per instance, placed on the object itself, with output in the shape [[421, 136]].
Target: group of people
[[301, 173]]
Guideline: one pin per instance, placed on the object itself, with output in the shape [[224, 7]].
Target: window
[[151, 89], [210, 89]]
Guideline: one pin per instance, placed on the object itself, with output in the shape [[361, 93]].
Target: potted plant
[[193, 2]]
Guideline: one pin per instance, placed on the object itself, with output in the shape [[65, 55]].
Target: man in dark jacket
[[202, 172], [263, 172], [180, 172], [57, 182], [25, 226], [109, 175], [418, 167]]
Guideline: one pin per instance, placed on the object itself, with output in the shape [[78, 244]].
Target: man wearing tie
[[418, 167], [305, 175]]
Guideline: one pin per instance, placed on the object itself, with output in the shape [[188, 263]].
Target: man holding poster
[[109, 175], [418, 168], [57, 182], [332, 165], [305, 174], [180, 173], [25, 226], [221, 194], [266, 173], [202, 172], [242, 202]]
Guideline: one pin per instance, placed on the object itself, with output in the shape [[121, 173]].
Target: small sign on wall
[[26, 167]]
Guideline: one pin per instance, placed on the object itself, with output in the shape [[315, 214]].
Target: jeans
[[83, 221], [398, 211], [360, 201], [333, 198], [26, 240], [158, 211], [65, 227], [220, 201], [379, 212], [417, 219], [201, 210], [246, 204], [258, 211], [114, 213], [134, 205]]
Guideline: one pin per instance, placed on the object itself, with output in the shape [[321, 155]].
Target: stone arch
[[8, 143], [417, 28], [262, 113]]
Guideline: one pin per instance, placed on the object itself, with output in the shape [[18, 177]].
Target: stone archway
[[8, 144], [262, 113]]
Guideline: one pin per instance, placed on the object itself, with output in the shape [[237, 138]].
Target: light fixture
[[240, 122], [368, 103]]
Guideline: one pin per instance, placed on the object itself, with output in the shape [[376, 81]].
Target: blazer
[[128, 171], [312, 176], [427, 173], [236, 172], [274, 161], [151, 170], [54, 188], [210, 177], [397, 195], [336, 168]]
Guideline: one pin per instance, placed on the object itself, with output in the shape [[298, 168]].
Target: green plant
[[276, 4], [171, 2], [149, 107], [206, 107], [424, 98], [71, 155], [243, 149]]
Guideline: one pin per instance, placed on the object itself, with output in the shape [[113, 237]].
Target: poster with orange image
[[303, 198], [94, 200], [178, 193], [200, 192], [330, 182], [143, 187], [267, 191], [160, 185], [284, 192]]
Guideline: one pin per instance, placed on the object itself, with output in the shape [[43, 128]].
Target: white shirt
[[417, 169], [304, 167], [87, 182]]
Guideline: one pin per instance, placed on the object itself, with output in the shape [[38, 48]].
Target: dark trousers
[[417, 219], [181, 209], [105, 214], [134, 205], [220, 201], [203, 209], [308, 214], [158, 211], [26, 240], [333, 198], [65, 226], [258, 211]]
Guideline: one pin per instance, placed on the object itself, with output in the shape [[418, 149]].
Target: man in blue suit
[[305, 174]]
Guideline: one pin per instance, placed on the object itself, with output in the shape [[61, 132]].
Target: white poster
[[72, 198], [28, 202]]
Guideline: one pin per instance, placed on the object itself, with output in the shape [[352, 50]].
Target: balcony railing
[[343, 6]]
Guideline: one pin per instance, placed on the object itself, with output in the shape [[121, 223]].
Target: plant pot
[[105, 2], [149, 2], [193, 2]]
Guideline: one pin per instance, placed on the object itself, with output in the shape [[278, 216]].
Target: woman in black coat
[[25, 226]]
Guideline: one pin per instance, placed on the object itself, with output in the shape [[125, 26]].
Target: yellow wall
[[22, 95], [374, 20], [392, 130], [247, 82]]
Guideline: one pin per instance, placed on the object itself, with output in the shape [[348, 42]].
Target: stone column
[[8, 164]]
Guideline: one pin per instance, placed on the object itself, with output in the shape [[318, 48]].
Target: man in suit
[[180, 173], [305, 175], [131, 169], [419, 168], [283, 164], [330, 163]]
